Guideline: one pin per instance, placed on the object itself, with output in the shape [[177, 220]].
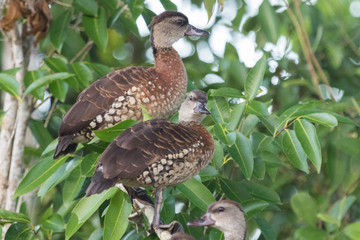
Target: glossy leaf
[[306, 133], [305, 208], [83, 73], [268, 21], [32, 76], [353, 230], [38, 174], [337, 213], [10, 217], [116, 218], [294, 151], [19, 231], [308, 232], [84, 209], [209, 5], [168, 5], [9, 84], [218, 158], [58, 29], [111, 133], [254, 206], [88, 7], [220, 110], [221, 133], [235, 116], [254, 79], [59, 89], [73, 184], [258, 108], [235, 190], [46, 80], [168, 209], [226, 92], [324, 119], [56, 64], [262, 192], [260, 142], [242, 153], [197, 193], [96, 29], [55, 223]]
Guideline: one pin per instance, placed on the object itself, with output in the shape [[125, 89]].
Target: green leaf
[[328, 219], [226, 92], [85, 209], [19, 231], [221, 133], [249, 124], [9, 84], [73, 184], [41, 134], [268, 21], [324, 119], [88, 164], [56, 64], [58, 29], [57, 177], [305, 208], [337, 213], [88, 7], [11, 71], [352, 230], [10, 217], [209, 5], [111, 133], [254, 79], [59, 89], [260, 142], [46, 80], [55, 223], [294, 151], [96, 29], [309, 233], [242, 153], [168, 209], [220, 109], [266, 228], [83, 73], [218, 158], [32, 76], [235, 116], [168, 5], [258, 108], [254, 206], [38, 174], [234, 190], [116, 218], [306, 133], [197, 193], [262, 192]]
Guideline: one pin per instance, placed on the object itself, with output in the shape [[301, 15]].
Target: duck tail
[[64, 146], [99, 183]]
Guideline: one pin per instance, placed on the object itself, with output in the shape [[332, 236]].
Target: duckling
[[157, 153], [119, 95], [227, 216]]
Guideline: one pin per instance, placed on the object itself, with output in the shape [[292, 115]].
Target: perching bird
[[119, 95], [157, 153], [227, 216]]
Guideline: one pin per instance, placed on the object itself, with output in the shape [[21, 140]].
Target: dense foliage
[[288, 151]]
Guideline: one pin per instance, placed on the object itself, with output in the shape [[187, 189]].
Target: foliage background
[[289, 155]]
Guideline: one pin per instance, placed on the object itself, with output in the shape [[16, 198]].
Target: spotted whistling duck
[[119, 95], [227, 216], [157, 152]]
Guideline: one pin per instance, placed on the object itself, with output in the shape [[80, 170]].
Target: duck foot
[[172, 227]]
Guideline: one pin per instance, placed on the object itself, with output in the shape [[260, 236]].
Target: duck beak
[[203, 221], [193, 31], [201, 108]]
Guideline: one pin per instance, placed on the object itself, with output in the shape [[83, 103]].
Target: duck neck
[[235, 232]]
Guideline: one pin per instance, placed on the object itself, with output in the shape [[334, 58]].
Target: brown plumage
[[157, 153], [227, 216], [119, 95]]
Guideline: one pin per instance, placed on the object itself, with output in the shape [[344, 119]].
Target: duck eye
[[221, 209], [191, 98], [179, 22]]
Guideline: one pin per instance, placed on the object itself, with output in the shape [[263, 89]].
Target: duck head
[[225, 215], [194, 107], [169, 26]]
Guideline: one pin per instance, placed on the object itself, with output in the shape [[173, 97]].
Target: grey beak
[[201, 108], [193, 31], [203, 221]]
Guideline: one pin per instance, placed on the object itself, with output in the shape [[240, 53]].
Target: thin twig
[[309, 48], [84, 50], [50, 112], [297, 26], [62, 4]]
